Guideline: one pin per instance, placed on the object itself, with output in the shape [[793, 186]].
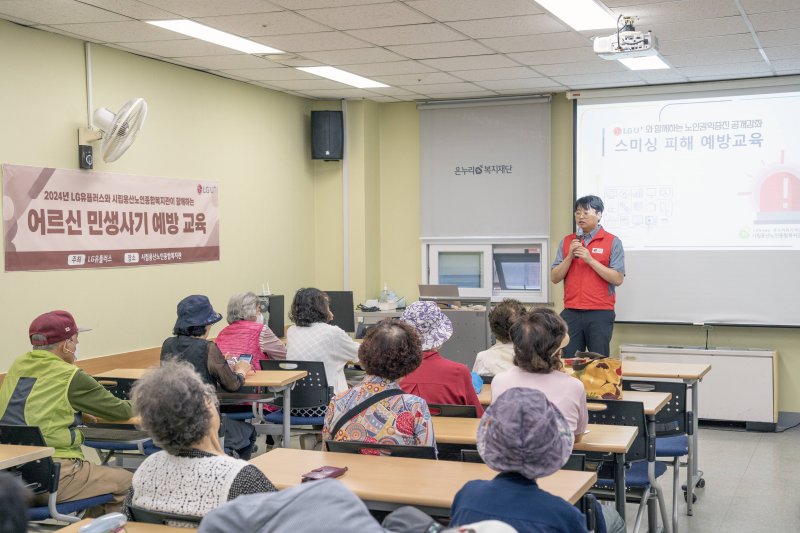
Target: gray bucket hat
[[433, 326], [523, 432]]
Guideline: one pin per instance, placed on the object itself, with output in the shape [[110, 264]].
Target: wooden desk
[[14, 455], [652, 404], [388, 482], [600, 438], [130, 527], [276, 380], [691, 374]]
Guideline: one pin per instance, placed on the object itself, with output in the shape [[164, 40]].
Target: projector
[[626, 44]]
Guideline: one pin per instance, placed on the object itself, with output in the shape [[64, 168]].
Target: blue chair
[[41, 477], [637, 482], [108, 441], [310, 395], [673, 430]]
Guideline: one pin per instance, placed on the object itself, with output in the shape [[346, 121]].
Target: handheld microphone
[[579, 235]]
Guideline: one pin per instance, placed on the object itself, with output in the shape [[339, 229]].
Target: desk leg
[[691, 468], [619, 483], [287, 415], [651, 475]]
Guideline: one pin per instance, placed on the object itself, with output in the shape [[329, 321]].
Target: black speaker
[[85, 158], [327, 135]]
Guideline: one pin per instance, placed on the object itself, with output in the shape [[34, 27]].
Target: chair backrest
[[157, 517], [40, 476], [576, 461], [624, 413], [119, 387], [459, 411], [487, 379], [369, 448], [310, 392], [673, 419]]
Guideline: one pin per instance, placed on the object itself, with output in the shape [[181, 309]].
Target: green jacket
[[43, 390]]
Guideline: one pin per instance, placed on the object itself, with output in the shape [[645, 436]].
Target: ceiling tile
[[783, 52], [779, 37], [714, 58], [507, 73], [385, 99], [354, 56], [69, 34], [210, 8], [698, 28], [610, 85], [55, 12], [447, 10], [441, 88], [661, 76], [786, 65], [179, 48], [314, 4], [431, 32], [532, 91], [121, 32], [551, 57], [765, 6], [776, 20], [719, 43], [367, 16], [426, 78], [530, 83], [431, 51], [509, 26], [394, 67], [230, 62], [261, 24], [680, 10], [466, 63], [392, 91], [131, 8], [581, 67], [532, 43], [270, 74], [337, 94], [728, 76], [731, 68], [312, 42]]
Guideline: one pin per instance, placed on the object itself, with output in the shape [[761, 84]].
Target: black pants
[[239, 436], [589, 330]]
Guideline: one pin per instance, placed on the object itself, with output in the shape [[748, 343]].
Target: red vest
[[583, 287], [241, 337]]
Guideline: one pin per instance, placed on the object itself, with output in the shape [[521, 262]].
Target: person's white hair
[[242, 306]]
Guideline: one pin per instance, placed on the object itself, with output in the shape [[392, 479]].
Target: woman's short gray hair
[[242, 306], [172, 402]]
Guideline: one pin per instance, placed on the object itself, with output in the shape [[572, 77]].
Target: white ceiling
[[432, 49]]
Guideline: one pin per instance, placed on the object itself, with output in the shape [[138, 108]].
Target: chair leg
[[51, 506], [676, 482], [640, 512]]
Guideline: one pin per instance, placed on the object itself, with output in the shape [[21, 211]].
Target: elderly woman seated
[[247, 333], [390, 350], [192, 475]]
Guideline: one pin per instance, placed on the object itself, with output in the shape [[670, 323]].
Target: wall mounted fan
[[117, 131]]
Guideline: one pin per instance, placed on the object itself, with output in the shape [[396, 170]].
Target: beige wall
[[253, 141]]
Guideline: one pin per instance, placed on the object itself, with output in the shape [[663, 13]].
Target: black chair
[[119, 387], [310, 395], [487, 379], [637, 483], [396, 450], [41, 477], [449, 410], [471, 456], [673, 429], [165, 519]]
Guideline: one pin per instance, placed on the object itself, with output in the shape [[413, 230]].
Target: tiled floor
[[752, 484]]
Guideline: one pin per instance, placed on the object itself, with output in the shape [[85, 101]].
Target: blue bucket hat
[[523, 432], [196, 310]]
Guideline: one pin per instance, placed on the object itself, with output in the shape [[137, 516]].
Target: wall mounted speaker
[[327, 135]]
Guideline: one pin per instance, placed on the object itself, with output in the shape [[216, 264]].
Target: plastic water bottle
[[384, 297]]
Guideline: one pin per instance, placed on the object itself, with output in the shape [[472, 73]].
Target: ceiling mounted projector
[[626, 43]]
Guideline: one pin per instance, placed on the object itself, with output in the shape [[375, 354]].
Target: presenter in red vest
[[591, 263]]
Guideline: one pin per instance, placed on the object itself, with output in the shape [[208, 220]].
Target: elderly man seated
[[44, 388]]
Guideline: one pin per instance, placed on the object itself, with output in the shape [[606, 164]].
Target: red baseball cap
[[55, 326]]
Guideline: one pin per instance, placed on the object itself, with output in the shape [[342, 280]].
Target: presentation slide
[[718, 172], [703, 189]]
